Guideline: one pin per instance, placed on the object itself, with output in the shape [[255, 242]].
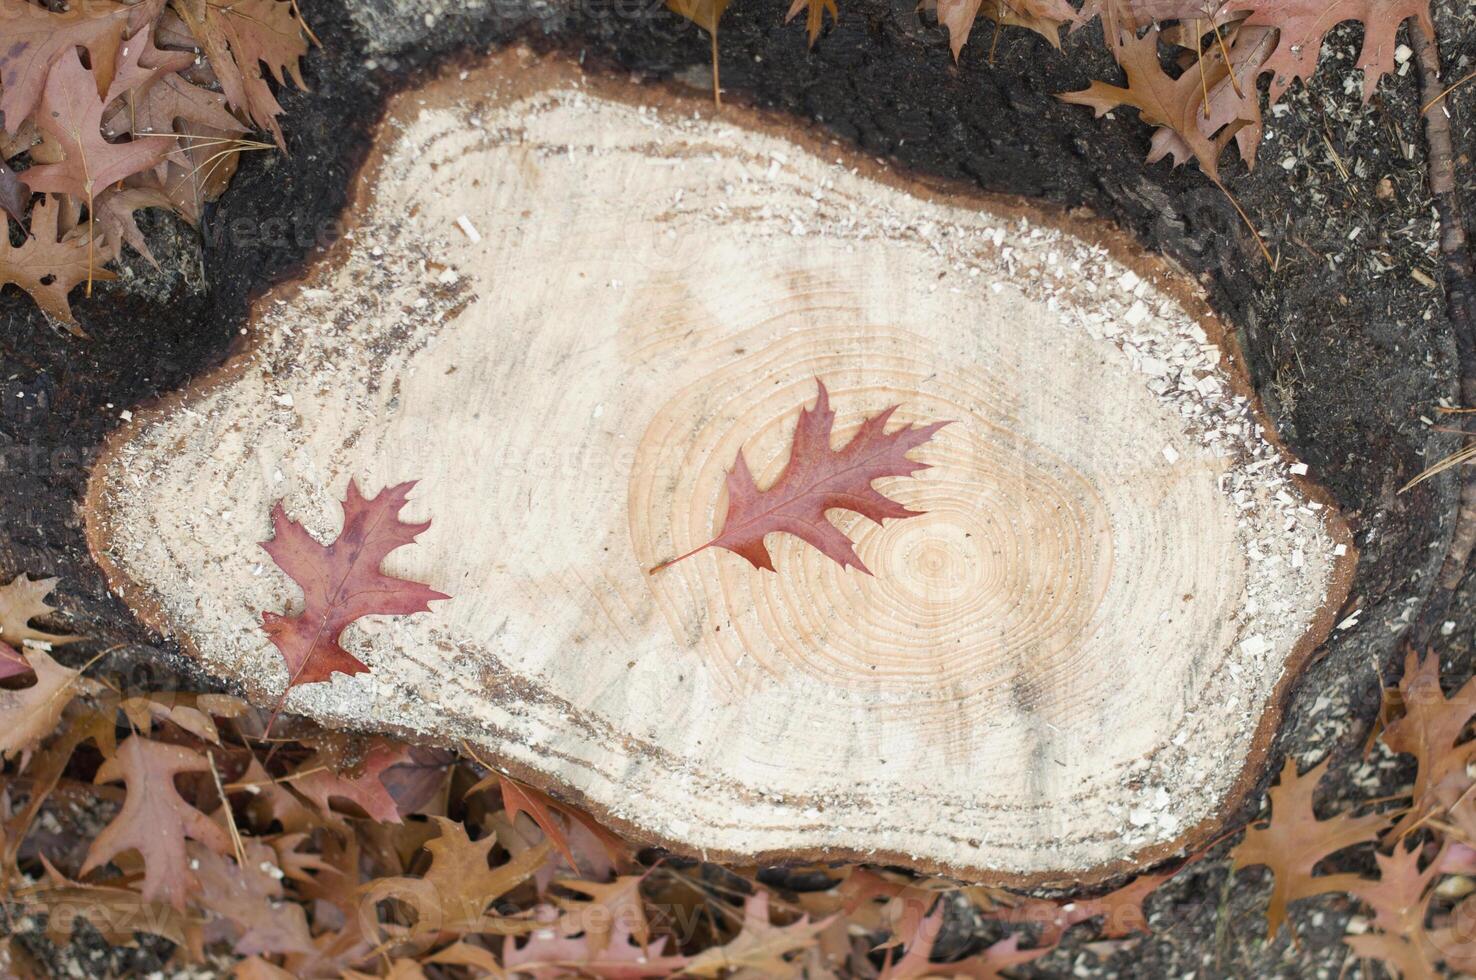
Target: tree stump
[[566, 305]]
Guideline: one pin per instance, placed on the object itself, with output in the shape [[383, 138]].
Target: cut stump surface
[[565, 305]]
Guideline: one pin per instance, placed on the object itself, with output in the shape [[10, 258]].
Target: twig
[[1460, 296], [225, 804]]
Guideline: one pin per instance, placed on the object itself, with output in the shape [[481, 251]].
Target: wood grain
[[566, 306]]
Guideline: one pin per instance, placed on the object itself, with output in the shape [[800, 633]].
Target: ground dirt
[[1350, 348]]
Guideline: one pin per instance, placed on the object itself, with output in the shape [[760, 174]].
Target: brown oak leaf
[[986, 965], [48, 266], [546, 955], [15, 194], [239, 38], [609, 902], [1304, 23], [341, 582], [1044, 17], [115, 224], [33, 39], [816, 479], [1430, 730], [72, 117], [362, 787], [1293, 841], [1233, 101], [29, 714], [815, 11], [156, 820], [116, 913], [1177, 104], [760, 945], [453, 895], [23, 600], [1121, 911], [1400, 900], [249, 901]]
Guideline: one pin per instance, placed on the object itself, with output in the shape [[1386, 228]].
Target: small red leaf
[[341, 582], [816, 479]]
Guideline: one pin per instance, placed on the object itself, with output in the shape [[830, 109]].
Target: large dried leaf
[[249, 901], [1174, 103], [156, 820], [360, 786], [1399, 900], [49, 267], [115, 224], [72, 117], [1044, 17], [116, 913], [816, 479], [517, 798], [22, 601], [1304, 23], [31, 713], [760, 945], [341, 582], [453, 895], [33, 39], [609, 902], [1429, 730], [1294, 841], [546, 955], [1121, 911], [240, 37]]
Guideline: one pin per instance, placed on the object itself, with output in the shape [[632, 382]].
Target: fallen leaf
[[239, 38], [760, 945], [517, 798], [818, 478], [248, 898], [1173, 103], [815, 11], [1121, 911], [14, 194], [29, 714], [362, 786], [609, 902], [155, 820], [71, 116], [1044, 17], [22, 601], [341, 582], [1293, 841], [1429, 730], [1304, 23], [453, 895], [33, 39], [548, 956], [116, 913], [1400, 899], [49, 268]]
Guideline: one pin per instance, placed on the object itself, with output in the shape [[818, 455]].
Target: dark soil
[[1350, 349]]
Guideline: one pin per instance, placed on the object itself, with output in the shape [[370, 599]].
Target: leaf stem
[[673, 561], [717, 88]]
